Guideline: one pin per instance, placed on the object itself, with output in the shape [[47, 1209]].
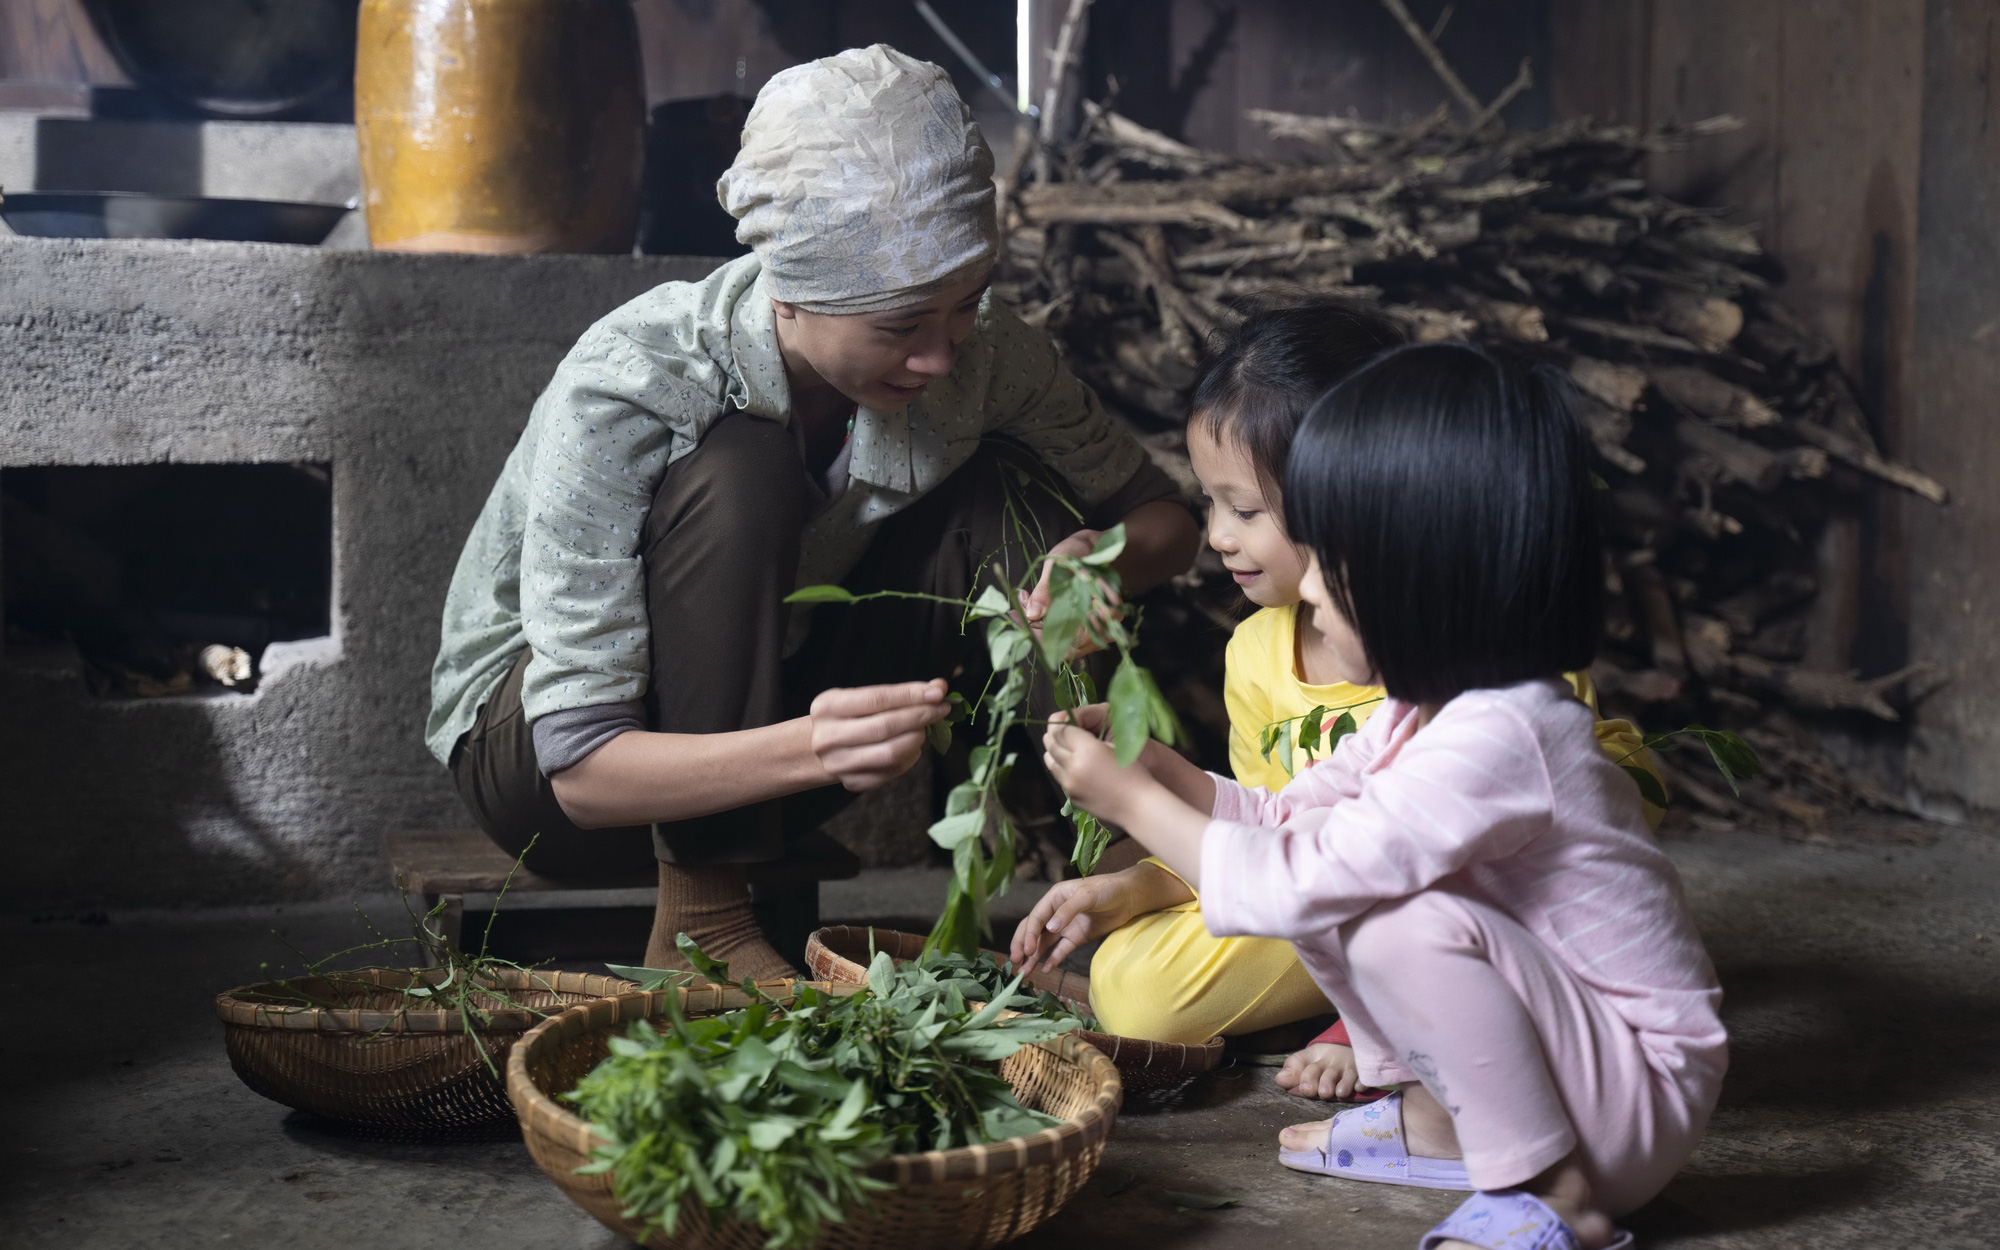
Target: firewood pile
[[1725, 430]]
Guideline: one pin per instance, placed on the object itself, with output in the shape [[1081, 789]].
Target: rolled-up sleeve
[[596, 466]]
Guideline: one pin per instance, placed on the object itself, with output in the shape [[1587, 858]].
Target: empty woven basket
[[368, 1062], [965, 1199], [841, 953]]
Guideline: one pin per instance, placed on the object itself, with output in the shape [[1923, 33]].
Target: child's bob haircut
[[1449, 497], [1262, 376]]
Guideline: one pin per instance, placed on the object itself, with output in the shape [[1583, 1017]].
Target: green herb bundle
[[1084, 603], [772, 1113]]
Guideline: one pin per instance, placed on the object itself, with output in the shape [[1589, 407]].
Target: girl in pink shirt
[[1469, 878]]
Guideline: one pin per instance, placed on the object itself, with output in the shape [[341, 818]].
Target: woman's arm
[[860, 738]]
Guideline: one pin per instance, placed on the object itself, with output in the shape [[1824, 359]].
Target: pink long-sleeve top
[[1504, 795]]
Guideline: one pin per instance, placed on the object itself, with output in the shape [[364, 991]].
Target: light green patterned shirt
[[552, 563]]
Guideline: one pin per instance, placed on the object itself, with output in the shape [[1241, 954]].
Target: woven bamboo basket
[[965, 1199], [371, 1063], [840, 953]]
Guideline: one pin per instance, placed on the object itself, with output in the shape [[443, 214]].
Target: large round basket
[[372, 1062], [964, 1199], [840, 953]]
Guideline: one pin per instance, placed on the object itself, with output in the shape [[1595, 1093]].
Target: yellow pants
[[1166, 978]]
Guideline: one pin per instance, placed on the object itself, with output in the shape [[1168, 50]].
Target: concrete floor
[[1862, 1109]]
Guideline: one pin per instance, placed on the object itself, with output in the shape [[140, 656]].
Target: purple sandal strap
[[1366, 1144], [1507, 1219]]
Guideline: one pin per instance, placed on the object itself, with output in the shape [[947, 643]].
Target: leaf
[[1310, 728], [952, 830], [1733, 757], [1166, 726], [1650, 788], [651, 978], [966, 796], [1185, 1201], [991, 602], [938, 734], [1069, 608], [772, 1132], [1267, 740], [1007, 644], [1341, 728], [1000, 873], [1285, 749], [821, 594], [1110, 545], [881, 974], [1129, 710], [714, 969]]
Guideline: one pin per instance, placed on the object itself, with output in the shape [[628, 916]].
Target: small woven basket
[[840, 953], [371, 1062], [965, 1199]]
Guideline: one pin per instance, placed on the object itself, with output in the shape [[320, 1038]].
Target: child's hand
[[1086, 767], [1321, 1070], [1070, 914]]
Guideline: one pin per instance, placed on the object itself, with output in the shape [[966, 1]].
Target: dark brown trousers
[[721, 550]]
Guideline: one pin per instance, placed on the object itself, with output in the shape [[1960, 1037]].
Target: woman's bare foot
[[1427, 1129], [1321, 1070]]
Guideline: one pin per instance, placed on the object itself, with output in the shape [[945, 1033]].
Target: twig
[[1452, 81], [1524, 78], [1062, 59]]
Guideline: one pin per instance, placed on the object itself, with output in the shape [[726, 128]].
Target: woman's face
[[884, 360], [1350, 658], [1246, 528]]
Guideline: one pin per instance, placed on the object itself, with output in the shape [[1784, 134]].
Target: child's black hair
[[1448, 493], [1262, 376]]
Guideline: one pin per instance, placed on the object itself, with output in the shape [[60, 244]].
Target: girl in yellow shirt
[[1159, 973]]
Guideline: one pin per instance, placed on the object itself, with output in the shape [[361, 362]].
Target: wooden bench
[[445, 865]]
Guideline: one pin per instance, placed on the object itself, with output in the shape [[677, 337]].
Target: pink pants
[[1530, 1061]]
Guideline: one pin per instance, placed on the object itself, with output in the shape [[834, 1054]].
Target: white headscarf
[[863, 183]]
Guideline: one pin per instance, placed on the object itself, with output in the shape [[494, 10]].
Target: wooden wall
[[1871, 160]]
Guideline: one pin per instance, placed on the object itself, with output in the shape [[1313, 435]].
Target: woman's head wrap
[[863, 183]]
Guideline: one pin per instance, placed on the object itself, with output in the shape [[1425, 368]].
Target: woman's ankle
[[711, 904]]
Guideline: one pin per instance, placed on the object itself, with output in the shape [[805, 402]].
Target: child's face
[[1350, 658], [1246, 528]]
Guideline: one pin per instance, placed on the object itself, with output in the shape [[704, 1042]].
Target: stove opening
[[166, 578]]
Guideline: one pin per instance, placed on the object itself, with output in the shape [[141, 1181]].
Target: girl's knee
[[1387, 933]]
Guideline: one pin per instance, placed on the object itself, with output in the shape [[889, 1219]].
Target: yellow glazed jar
[[500, 126]]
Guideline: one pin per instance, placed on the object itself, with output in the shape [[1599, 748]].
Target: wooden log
[[1596, 231], [1621, 386], [1867, 461], [1709, 321], [1619, 332], [1084, 212], [1656, 610], [1756, 467], [1234, 188], [1711, 398]]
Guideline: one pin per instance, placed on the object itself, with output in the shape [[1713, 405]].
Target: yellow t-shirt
[[1262, 686]]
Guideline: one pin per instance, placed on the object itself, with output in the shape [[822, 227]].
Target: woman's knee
[[746, 471]]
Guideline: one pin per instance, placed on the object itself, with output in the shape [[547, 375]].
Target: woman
[[618, 676]]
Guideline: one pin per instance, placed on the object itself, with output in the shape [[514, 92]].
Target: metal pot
[[237, 58]]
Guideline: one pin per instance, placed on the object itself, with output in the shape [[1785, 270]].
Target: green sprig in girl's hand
[[1087, 768]]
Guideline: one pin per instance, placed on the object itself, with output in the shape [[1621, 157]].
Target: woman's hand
[[870, 735], [1075, 912], [1035, 603]]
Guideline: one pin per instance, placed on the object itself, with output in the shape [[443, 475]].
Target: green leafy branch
[[1084, 604], [1308, 733], [1734, 758], [472, 985]]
